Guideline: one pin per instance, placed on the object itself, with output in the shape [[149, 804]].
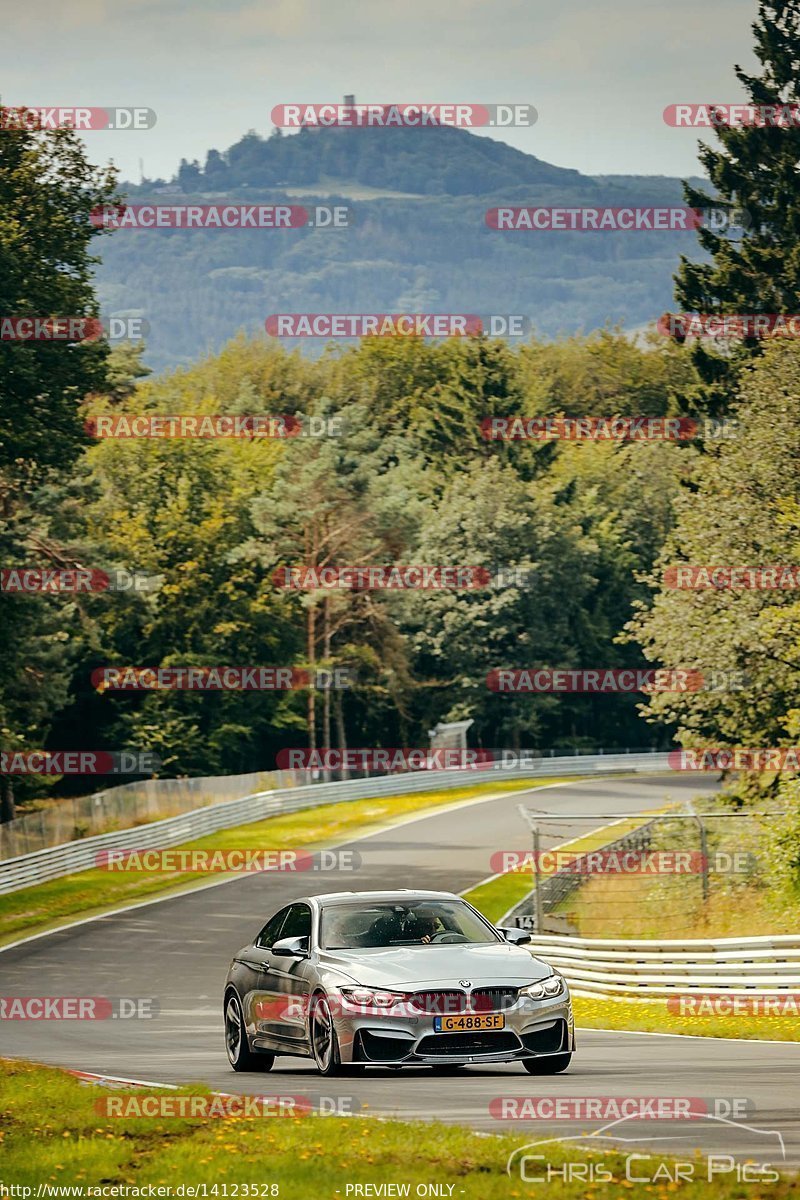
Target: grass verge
[[88, 893], [654, 1017], [52, 1136]]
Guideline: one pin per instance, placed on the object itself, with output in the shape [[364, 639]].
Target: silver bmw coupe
[[394, 979]]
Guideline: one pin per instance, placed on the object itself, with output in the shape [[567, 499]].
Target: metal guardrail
[[129, 804], [141, 801], [71, 857], [653, 969]]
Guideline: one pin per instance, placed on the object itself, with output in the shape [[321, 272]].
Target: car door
[[292, 978], [263, 1000]]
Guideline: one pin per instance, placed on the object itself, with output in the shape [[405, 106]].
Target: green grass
[[653, 1017], [51, 1134], [47, 905]]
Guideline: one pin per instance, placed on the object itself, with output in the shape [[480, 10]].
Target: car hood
[[407, 967]]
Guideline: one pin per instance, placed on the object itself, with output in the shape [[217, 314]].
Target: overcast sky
[[599, 74]]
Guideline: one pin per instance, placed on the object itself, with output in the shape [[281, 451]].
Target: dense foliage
[[47, 192]]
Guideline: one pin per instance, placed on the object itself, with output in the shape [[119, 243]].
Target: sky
[[599, 74]]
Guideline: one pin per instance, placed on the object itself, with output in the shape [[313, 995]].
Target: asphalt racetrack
[[178, 950]]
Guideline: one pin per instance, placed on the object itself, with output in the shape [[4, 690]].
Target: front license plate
[[464, 1022]]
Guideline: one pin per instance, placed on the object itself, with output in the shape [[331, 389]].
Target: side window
[[298, 923], [271, 931]]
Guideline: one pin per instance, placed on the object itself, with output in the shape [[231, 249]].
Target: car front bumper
[[532, 1028]]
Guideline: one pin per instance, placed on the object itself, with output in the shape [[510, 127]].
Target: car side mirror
[[517, 937], [291, 947]]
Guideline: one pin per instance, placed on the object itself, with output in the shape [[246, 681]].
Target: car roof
[[400, 894]]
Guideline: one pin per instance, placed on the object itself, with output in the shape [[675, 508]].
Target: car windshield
[[394, 923]]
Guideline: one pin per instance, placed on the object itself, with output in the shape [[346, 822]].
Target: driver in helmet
[[425, 925]]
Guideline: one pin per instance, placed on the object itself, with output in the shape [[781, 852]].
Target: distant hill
[[419, 241], [429, 162]]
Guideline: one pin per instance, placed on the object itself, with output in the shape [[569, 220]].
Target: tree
[[190, 176], [340, 502], [48, 191], [742, 510], [757, 169], [177, 509]]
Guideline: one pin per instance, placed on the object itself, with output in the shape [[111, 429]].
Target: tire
[[551, 1064], [324, 1042], [240, 1056]]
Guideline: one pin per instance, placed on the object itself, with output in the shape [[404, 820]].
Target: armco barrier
[[650, 969], [131, 804], [70, 857]]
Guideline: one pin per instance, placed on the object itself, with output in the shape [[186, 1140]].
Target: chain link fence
[[129, 805], [674, 874]]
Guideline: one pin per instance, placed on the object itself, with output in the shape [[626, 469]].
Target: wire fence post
[[537, 874], [704, 857]]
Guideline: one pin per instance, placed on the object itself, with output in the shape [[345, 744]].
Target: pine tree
[[755, 169]]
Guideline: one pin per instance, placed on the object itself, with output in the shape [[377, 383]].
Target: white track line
[[701, 1037]]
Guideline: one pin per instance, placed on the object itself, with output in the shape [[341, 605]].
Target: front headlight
[[362, 997], [546, 989]]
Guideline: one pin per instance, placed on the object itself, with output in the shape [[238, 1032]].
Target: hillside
[[419, 241]]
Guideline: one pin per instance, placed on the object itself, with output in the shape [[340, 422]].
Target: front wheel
[[324, 1042], [552, 1064], [240, 1056]]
